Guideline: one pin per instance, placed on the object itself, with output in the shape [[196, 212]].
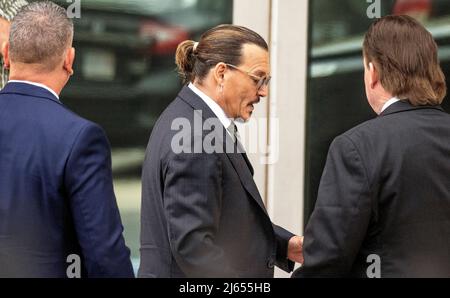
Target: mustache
[[256, 101]]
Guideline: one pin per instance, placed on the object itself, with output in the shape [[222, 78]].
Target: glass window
[[125, 76], [336, 96]]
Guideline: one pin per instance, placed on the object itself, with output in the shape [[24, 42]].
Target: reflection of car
[[124, 67], [336, 95]]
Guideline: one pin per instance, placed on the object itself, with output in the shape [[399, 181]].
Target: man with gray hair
[[58, 212]]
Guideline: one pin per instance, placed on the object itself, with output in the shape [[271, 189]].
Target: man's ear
[[373, 75], [219, 72], [68, 61], [5, 54]]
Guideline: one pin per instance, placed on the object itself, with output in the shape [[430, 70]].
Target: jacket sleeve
[[282, 238], [341, 216], [88, 181], [192, 202]]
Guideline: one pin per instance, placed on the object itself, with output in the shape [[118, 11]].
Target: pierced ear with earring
[[221, 85]]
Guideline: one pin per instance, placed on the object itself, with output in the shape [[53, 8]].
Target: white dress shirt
[[389, 103], [217, 110], [37, 85]]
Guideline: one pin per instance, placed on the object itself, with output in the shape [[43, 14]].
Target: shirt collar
[[388, 103], [37, 85], [217, 110]]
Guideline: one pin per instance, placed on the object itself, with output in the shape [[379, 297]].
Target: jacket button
[[270, 263]]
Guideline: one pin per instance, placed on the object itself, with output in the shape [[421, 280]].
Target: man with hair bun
[[202, 214]]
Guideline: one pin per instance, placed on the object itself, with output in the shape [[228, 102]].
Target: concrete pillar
[[284, 24]]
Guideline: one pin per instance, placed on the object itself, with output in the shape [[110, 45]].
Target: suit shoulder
[[70, 115], [177, 108], [44, 113], [75, 125], [367, 128], [391, 124], [67, 122]]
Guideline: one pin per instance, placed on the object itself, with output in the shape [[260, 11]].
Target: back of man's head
[[40, 35], [405, 56]]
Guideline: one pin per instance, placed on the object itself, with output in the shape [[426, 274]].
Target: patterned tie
[[232, 128], [238, 148]]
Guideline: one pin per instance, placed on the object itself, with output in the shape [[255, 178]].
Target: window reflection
[[336, 95], [125, 76]]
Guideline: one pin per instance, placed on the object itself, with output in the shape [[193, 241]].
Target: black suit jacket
[[385, 190], [202, 214]]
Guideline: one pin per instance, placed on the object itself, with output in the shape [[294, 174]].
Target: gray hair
[[40, 34]]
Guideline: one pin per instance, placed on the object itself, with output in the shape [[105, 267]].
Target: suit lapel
[[244, 170], [249, 164], [240, 161]]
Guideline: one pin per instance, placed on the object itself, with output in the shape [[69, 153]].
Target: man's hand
[[295, 249]]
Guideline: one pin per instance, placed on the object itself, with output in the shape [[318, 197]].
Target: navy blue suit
[[56, 191]]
